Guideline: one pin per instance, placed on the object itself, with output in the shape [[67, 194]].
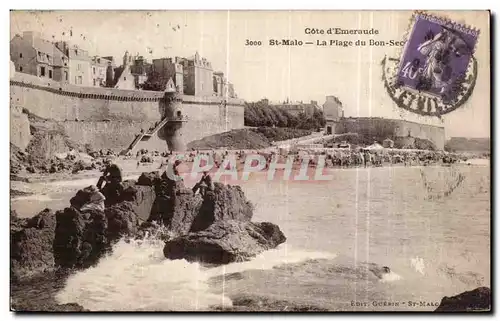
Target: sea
[[429, 225]]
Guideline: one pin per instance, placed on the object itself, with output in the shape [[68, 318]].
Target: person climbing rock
[[205, 184]]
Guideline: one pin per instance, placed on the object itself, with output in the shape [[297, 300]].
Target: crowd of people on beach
[[110, 181], [334, 158], [358, 157]]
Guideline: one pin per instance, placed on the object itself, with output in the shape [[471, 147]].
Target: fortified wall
[[111, 118], [382, 128]]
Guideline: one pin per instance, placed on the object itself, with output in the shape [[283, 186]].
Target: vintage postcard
[[237, 161]]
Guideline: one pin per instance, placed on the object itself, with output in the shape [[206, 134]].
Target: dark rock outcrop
[[73, 238], [217, 225], [122, 220], [44, 219], [84, 237], [141, 199], [115, 192], [476, 300], [80, 238], [31, 244], [225, 242], [224, 203], [81, 197], [175, 206], [148, 179]]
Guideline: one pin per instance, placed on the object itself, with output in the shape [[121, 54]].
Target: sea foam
[[137, 277]]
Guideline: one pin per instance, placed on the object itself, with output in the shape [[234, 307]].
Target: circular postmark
[[437, 71]]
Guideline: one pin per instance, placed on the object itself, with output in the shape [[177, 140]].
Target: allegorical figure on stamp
[[439, 51]]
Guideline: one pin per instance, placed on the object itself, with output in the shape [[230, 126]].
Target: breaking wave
[[137, 277]]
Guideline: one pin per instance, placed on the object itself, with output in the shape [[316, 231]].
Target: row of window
[[42, 73], [49, 58], [79, 66], [41, 55]]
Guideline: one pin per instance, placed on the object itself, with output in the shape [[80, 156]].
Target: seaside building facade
[[33, 55], [99, 71], [198, 76], [333, 111], [79, 64], [191, 76], [164, 69], [68, 63], [139, 69]]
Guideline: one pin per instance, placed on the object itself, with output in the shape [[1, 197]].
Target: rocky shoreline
[[477, 300], [214, 229]]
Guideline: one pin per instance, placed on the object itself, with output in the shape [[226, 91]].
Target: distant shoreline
[[128, 174]]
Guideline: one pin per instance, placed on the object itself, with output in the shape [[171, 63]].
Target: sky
[[298, 73]]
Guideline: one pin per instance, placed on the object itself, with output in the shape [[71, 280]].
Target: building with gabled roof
[[36, 56]]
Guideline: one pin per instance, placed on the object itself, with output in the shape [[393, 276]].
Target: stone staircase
[[144, 136]]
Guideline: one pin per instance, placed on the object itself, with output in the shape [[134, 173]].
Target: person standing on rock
[[205, 184]]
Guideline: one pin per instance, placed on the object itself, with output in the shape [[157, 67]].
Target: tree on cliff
[[314, 121]]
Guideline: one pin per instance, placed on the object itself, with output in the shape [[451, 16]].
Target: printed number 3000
[[410, 72], [253, 43]]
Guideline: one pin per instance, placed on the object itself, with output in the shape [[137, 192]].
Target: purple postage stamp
[[436, 56]]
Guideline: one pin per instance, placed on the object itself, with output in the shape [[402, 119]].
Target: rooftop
[[46, 48]]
